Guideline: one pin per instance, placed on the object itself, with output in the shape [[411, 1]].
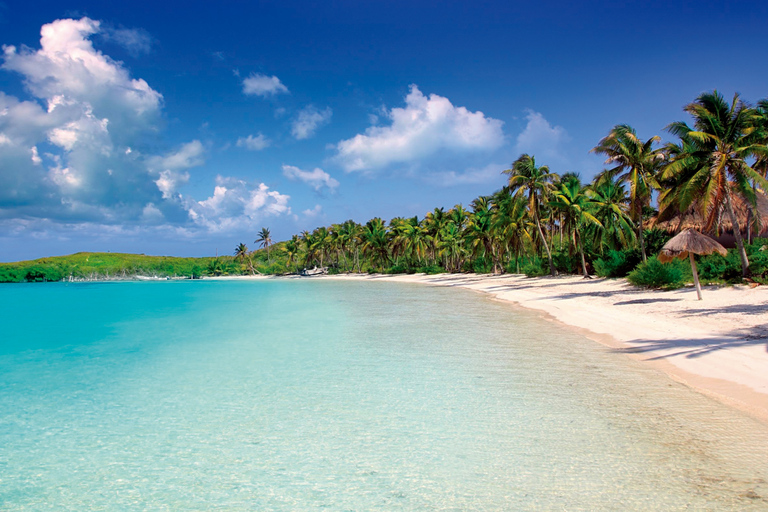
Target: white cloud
[[542, 140], [263, 85], [316, 178], [309, 120], [83, 162], [188, 155], [93, 107], [236, 204], [254, 143], [67, 65], [425, 126], [314, 212], [171, 168]]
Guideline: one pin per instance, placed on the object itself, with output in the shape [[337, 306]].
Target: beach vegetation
[[654, 274]]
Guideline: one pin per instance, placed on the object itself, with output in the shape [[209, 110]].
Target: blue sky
[[149, 127]]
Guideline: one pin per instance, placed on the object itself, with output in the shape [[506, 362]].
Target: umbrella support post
[[695, 275]]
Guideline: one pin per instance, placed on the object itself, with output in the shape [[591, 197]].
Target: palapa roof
[[689, 241], [693, 219]]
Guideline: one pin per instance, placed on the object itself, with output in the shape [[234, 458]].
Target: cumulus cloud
[[425, 126], [67, 66], [309, 120], [77, 154], [316, 178], [238, 203], [263, 85], [171, 167], [541, 139], [254, 143]]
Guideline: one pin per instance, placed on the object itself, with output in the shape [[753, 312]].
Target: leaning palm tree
[[265, 239], [526, 179], [241, 253], [712, 164], [639, 162]]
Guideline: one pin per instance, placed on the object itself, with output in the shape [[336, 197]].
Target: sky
[[170, 129]]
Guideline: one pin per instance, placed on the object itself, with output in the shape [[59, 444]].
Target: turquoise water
[[315, 394]]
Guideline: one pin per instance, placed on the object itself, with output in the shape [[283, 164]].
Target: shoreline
[[717, 346]]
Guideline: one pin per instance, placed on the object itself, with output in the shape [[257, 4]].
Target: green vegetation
[[99, 265], [654, 274]]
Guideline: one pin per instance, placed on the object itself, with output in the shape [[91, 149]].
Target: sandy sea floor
[[718, 345]]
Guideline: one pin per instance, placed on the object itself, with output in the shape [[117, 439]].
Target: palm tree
[[611, 208], [525, 178], [376, 241], [510, 224], [292, 249], [711, 166], [241, 253], [639, 162], [572, 200], [265, 239]]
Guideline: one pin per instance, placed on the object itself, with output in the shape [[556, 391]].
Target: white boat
[[314, 271]]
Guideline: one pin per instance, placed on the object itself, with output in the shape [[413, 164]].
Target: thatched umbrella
[[688, 243]]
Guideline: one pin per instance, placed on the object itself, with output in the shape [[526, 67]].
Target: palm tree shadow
[[693, 348], [643, 301]]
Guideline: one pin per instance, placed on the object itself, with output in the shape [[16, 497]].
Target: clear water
[[314, 394]]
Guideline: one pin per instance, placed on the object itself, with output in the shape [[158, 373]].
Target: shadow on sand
[[692, 348]]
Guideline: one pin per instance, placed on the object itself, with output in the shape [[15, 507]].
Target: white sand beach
[[718, 346]]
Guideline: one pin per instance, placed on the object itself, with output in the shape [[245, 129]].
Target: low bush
[[535, 267], [399, 268], [655, 274], [618, 263], [431, 269]]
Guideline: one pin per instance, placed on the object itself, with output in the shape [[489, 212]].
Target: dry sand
[[718, 346]]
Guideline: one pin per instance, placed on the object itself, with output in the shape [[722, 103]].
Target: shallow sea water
[[317, 394]]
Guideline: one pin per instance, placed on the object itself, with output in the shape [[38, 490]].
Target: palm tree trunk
[[581, 252], [737, 233], [546, 247], [640, 237]]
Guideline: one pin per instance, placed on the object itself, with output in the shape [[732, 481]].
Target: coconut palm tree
[[265, 239], [639, 162], [535, 182], [510, 224], [611, 208], [376, 241], [292, 247], [241, 253], [575, 204], [712, 164]]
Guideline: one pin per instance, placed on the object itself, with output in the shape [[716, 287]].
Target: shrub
[[655, 274], [655, 239], [482, 265], [431, 269], [535, 267], [399, 268], [617, 263], [566, 263]]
